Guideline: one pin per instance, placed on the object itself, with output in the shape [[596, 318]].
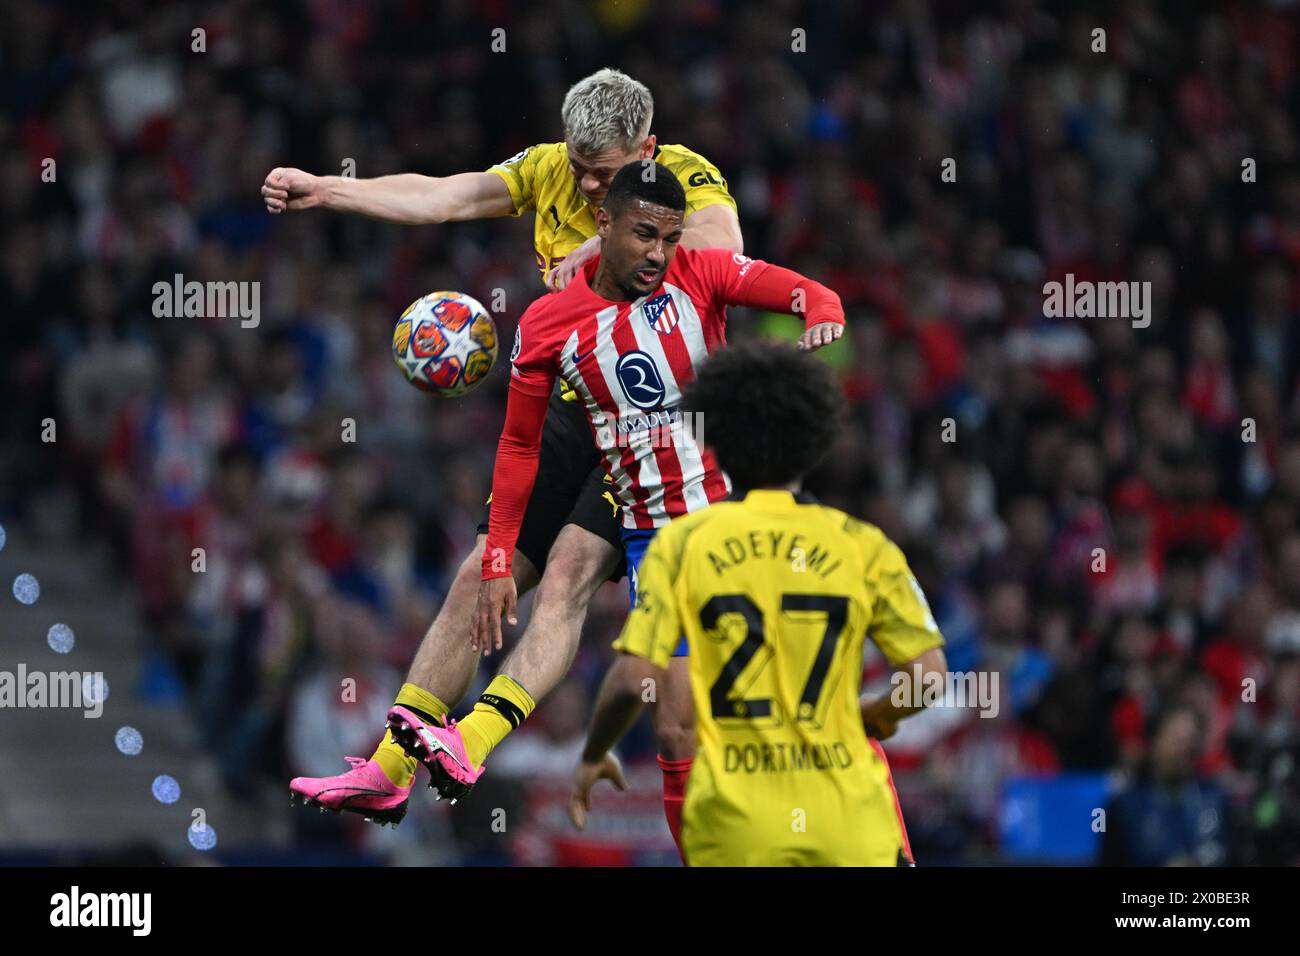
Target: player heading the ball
[[626, 335]]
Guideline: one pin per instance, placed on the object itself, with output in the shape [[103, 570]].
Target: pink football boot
[[365, 789], [440, 749]]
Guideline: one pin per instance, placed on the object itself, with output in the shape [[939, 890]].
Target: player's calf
[[445, 663], [378, 788]]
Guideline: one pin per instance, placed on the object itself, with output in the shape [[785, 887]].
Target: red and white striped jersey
[[628, 363]]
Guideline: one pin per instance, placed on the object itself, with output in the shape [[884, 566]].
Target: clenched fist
[[292, 189]]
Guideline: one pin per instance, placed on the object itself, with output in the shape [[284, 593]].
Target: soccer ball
[[445, 343]]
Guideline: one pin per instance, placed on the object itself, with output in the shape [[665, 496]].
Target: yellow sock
[[501, 708], [416, 698], [392, 759]]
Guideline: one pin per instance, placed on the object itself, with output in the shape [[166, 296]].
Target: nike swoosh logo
[[580, 358], [359, 792], [347, 801]]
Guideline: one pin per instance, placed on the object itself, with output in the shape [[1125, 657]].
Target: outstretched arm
[[778, 289], [408, 199]]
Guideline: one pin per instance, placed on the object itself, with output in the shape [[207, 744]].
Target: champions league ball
[[445, 343]]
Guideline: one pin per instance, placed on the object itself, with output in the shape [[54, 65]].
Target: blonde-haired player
[[570, 542], [775, 595]]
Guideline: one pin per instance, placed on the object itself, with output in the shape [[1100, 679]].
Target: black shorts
[[571, 489]]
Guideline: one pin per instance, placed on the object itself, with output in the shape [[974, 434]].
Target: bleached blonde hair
[[605, 110]]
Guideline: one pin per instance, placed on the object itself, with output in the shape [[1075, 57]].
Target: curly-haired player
[[775, 595]]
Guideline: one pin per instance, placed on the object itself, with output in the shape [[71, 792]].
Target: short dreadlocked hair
[[647, 180], [769, 412]]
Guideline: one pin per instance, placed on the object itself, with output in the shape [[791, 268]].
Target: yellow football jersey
[[776, 597], [539, 179]]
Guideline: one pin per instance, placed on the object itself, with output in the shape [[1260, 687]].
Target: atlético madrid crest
[[661, 313]]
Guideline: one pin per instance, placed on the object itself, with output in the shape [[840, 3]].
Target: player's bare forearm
[[713, 227], [404, 198], [407, 199], [880, 715], [618, 704]]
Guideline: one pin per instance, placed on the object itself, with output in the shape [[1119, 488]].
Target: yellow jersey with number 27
[[776, 597]]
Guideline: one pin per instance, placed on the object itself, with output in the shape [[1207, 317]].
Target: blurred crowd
[[1107, 516]]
